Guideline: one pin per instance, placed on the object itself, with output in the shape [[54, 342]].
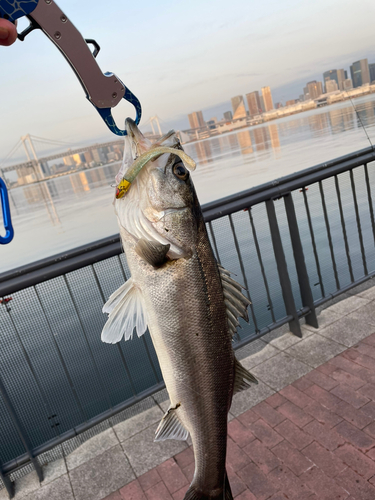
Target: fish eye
[[180, 171]]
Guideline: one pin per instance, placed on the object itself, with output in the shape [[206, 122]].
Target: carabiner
[[9, 232]]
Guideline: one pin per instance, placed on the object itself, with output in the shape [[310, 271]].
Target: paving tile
[[116, 496], [189, 471], [351, 303], [158, 492], [23, 486], [240, 434], [265, 433], [53, 470], [236, 457], [289, 484], [371, 338], [358, 487], [145, 454], [323, 415], [302, 383], [324, 487], [131, 426], [180, 494], [315, 350], [328, 438], [360, 463], [297, 397], [348, 330], [276, 400], [346, 364], [347, 378], [56, 490], [369, 409], [172, 475], [262, 456], [132, 491], [359, 359], [248, 417], [269, 415], [368, 390], [91, 448], [244, 400], [101, 475], [325, 317], [295, 436], [236, 484], [185, 458], [370, 429], [322, 380], [348, 394], [265, 352], [367, 313], [292, 458], [257, 482], [366, 349], [280, 371], [295, 414], [355, 436], [359, 418], [246, 495], [288, 339], [149, 479], [327, 369], [330, 463], [323, 397]]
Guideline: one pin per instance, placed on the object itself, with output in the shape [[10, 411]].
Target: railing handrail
[[71, 260]]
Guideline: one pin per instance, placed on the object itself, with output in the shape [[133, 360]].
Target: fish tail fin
[[195, 493]]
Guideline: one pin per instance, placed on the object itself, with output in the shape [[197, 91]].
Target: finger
[[8, 32]]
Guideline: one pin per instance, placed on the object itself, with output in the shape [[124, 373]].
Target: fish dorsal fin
[[152, 252], [126, 311], [170, 427], [242, 377], [235, 301]]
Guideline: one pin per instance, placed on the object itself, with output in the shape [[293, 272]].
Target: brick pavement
[[314, 439]]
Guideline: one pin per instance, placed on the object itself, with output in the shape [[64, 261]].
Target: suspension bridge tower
[[156, 120]]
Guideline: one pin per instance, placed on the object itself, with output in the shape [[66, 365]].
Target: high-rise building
[[371, 68], [314, 89], [253, 103], [331, 86], [334, 74], [228, 116], [360, 73], [238, 106], [267, 98], [290, 102], [196, 119], [348, 84]]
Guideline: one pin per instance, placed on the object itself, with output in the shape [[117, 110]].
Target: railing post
[[299, 258], [282, 269], [9, 485]]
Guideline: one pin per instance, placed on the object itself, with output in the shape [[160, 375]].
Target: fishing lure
[[4, 201]]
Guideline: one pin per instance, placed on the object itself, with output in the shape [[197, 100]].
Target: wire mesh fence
[[293, 245]]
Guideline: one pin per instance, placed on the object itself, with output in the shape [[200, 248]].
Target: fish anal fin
[[152, 252], [242, 377], [170, 427], [196, 493]]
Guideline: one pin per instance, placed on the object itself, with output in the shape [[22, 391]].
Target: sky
[[178, 56]]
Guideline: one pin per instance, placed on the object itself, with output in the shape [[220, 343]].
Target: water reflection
[[275, 139], [203, 151], [244, 139], [40, 194]]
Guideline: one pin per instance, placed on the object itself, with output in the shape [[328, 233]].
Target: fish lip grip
[[103, 90], [4, 201]]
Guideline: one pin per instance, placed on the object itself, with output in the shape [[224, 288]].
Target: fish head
[[161, 205]]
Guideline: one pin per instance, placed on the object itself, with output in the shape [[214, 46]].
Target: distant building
[[228, 116], [291, 102], [68, 161], [348, 84], [267, 98], [99, 156], [253, 103], [334, 74], [196, 119], [331, 86], [314, 89], [262, 106], [79, 158], [88, 157], [278, 105], [360, 73], [371, 68], [238, 106]]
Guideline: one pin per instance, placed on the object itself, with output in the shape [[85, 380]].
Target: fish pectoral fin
[[242, 377], [170, 427], [152, 252], [126, 311]]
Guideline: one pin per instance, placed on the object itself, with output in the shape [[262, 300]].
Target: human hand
[[8, 32]]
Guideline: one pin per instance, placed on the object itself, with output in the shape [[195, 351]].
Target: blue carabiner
[[9, 232]]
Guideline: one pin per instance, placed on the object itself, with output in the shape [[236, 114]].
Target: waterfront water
[[66, 212]]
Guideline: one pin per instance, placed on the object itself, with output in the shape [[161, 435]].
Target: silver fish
[[190, 304]]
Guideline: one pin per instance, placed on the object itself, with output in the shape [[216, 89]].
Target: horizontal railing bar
[[344, 289]]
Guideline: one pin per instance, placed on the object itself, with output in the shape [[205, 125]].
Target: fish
[[190, 304]]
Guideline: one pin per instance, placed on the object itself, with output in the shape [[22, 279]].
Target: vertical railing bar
[[21, 431], [312, 235], [369, 198], [87, 343], [257, 247], [214, 242], [343, 226], [359, 227], [282, 269], [300, 263], [9, 485], [328, 228], [118, 344], [243, 271], [59, 353]]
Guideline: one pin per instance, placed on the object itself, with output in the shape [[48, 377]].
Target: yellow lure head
[[122, 188]]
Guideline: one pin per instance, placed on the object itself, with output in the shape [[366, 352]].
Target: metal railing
[[294, 243]]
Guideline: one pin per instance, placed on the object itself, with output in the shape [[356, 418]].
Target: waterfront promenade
[[306, 431]]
